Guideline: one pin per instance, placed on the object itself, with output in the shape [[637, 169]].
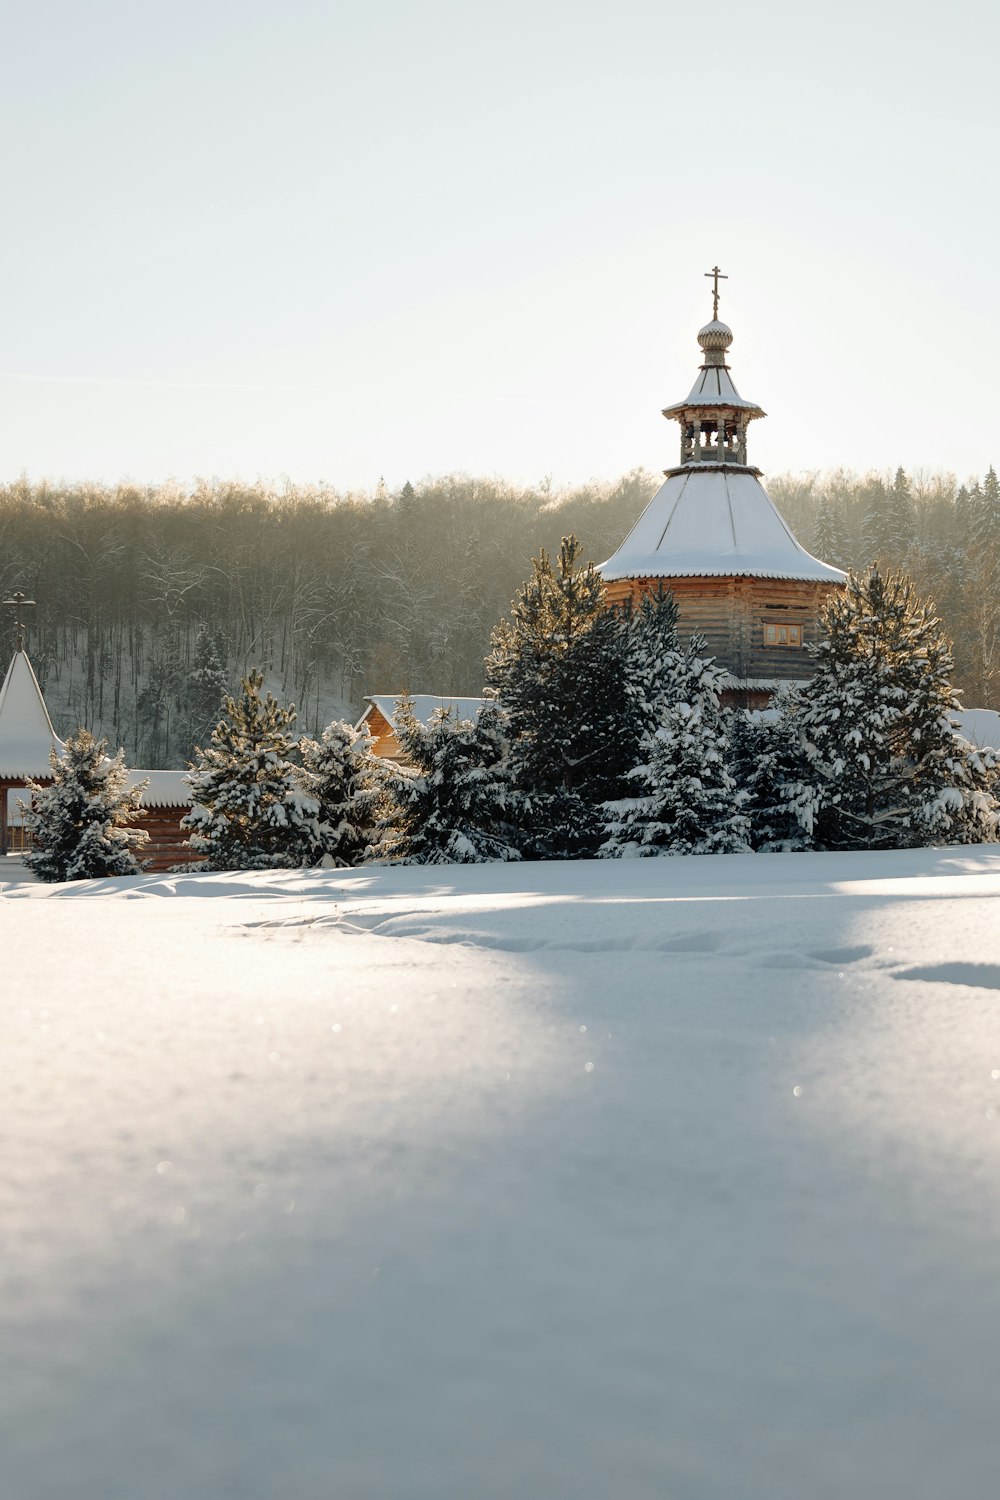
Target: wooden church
[[27, 739], [714, 538]]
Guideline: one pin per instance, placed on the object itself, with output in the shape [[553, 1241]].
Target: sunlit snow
[[668, 1178]]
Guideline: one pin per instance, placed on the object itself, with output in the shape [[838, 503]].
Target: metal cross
[[716, 276], [18, 603]]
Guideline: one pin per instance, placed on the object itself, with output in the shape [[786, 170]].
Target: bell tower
[[713, 536]]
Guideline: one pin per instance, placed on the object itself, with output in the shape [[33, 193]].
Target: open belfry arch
[[714, 538]]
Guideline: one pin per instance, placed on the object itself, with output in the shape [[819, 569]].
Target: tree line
[[603, 735], [150, 601]]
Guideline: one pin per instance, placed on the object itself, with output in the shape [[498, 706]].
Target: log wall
[[167, 839], [166, 847], [384, 741], [731, 614]]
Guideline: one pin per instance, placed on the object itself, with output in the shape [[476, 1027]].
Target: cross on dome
[[716, 276], [18, 603]]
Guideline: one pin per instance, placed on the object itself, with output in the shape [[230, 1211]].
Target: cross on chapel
[[716, 276], [18, 603]]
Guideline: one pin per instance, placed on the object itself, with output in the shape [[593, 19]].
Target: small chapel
[[713, 537], [27, 739]]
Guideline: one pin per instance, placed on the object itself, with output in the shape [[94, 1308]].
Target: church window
[[782, 635]]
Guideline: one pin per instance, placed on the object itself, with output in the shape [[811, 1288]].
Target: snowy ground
[[673, 1179]]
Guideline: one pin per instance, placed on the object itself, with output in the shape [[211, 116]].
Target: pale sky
[[330, 241]]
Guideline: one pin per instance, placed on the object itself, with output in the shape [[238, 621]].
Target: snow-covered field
[[675, 1178]]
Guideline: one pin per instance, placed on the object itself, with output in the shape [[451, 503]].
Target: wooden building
[[713, 536], [26, 741], [380, 711]]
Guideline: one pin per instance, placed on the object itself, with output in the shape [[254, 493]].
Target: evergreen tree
[[79, 825], [876, 524], [683, 798], [345, 780], [249, 809], [556, 669], [829, 541], [451, 802], [899, 517], [887, 766], [767, 759], [207, 685], [652, 658], [986, 518]]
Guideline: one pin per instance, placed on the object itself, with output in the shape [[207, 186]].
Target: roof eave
[[613, 573], [715, 403]]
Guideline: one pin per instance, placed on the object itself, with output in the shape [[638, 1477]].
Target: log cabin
[[380, 710], [27, 739], [714, 538]]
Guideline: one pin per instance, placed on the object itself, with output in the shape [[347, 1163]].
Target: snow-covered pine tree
[[451, 800], [556, 668], [651, 657], [766, 759], [249, 809], [346, 781], [887, 765], [79, 825], [683, 799]]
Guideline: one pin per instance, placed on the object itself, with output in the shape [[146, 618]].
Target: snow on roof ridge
[[424, 705]]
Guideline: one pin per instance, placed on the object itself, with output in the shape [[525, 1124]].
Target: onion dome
[[715, 335]]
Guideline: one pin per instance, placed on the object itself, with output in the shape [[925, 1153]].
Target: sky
[[337, 242]]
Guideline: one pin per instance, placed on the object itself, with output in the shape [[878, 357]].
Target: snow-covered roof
[[714, 387], [424, 705], [165, 789], [714, 523], [26, 733], [981, 727]]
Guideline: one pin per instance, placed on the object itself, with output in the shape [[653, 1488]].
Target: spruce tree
[[451, 801], [346, 781], [900, 517], [651, 657], [682, 798], [207, 685], [249, 809], [766, 760], [829, 541], [556, 669], [79, 825], [887, 767]]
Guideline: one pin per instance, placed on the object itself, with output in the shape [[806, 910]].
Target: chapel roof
[[26, 733], [717, 522], [713, 518]]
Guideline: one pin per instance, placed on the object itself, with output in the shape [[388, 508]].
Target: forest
[[151, 601]]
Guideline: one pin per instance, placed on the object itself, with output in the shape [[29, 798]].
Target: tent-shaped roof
[[26, 733], [716, 522], [714, 386]]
